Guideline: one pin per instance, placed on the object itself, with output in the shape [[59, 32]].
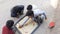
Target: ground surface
[[52, 14]]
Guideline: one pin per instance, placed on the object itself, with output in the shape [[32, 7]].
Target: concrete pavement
[[5, 7]]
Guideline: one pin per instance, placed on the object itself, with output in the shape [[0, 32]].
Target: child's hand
[[33, 23], [17, 17], [26, 24], [20, 26], [45, 18]]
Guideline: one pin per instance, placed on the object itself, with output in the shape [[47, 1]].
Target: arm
[[4, 31], [45, 15]]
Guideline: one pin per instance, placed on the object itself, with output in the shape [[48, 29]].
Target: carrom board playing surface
[[27, 29]]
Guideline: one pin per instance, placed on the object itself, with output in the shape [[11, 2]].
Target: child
[[7, 29], [29, 7], [17, 10], [37, 15]]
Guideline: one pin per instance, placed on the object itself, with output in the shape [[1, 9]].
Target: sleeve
[[44, 13], [4, 31]]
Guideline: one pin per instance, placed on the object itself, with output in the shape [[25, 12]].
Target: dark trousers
[[38, 20]]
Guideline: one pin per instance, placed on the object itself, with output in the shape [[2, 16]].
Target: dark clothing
[[38, 20], [17, 10], [13, 14], [7, 31]]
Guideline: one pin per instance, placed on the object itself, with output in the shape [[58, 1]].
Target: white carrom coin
[[28, 29]]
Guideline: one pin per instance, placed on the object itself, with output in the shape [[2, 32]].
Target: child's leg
[[40, 19]]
